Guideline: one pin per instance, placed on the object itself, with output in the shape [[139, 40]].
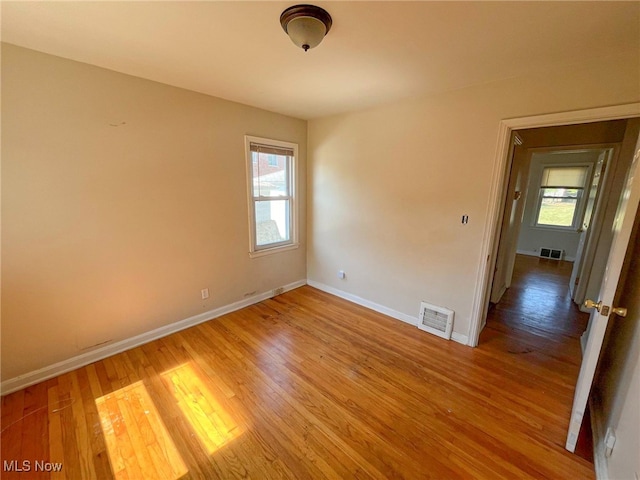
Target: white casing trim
[[45, 373], [457, 337]]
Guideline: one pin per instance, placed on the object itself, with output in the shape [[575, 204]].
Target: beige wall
[[121, 199], [390, 184]]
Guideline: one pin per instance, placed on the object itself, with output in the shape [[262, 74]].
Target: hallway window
[[561, 192], [271, 186]]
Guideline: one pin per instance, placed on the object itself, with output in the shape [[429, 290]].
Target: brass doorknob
[[620, 311], [592, 304]]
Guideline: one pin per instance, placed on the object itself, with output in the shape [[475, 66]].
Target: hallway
[[539, 301], [537, 322]]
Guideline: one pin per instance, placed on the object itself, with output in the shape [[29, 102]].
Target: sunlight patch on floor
[[138, 443], [208, 418]]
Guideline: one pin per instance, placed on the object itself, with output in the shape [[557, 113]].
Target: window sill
[[269, 251]]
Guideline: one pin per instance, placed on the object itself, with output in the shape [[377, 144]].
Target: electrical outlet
[[204, 293], [341, 274]]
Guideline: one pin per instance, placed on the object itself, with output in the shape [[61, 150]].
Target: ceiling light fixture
[[306, 25]]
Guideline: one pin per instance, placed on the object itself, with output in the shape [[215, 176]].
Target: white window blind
[[565, 177]]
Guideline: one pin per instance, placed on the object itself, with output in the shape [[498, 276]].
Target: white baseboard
[[457, 337], [460, 338], [45, 373], [530, 253]]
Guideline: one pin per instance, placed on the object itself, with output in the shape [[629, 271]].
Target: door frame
[[596, 228], [595, 221], [499, 176]]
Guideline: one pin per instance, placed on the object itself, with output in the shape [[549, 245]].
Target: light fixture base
[[309, 21]]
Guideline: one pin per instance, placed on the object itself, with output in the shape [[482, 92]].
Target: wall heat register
[[552, 253], [435, 320]]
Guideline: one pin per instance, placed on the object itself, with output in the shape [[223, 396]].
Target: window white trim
[[254, 249]]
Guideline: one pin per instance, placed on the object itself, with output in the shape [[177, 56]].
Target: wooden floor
[[537, 319], [304, 386]]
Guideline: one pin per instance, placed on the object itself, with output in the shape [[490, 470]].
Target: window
[[561, 192], [271, 186]]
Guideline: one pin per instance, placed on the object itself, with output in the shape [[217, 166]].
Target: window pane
[[270, 175], [557, 211], [272, 222], [564, 177]]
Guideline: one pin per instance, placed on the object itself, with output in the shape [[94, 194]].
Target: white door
[[591, 210], [605, 309]]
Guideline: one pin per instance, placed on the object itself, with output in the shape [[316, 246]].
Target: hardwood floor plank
[[83, 430], [12, 426], [35, 433], [307, 385], [416, 409], [274, 442], [340, 396], [180, 434], [56, 445], [394, 421], [270, 405], [89, 391]]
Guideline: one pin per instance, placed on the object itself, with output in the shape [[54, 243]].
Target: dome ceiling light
[[306, 25]]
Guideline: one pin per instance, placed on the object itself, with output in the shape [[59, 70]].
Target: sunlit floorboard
[[305, 386]]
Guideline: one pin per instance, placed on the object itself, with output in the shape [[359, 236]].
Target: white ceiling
[[376, 52]]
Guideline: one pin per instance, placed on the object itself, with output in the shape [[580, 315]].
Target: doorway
[[630, 130], [499, 179], [560, 184], [537, 310], [553, 205], [538, 324]]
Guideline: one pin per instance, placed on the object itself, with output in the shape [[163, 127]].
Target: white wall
[[121, 199], [390, 184], [532, 238]]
